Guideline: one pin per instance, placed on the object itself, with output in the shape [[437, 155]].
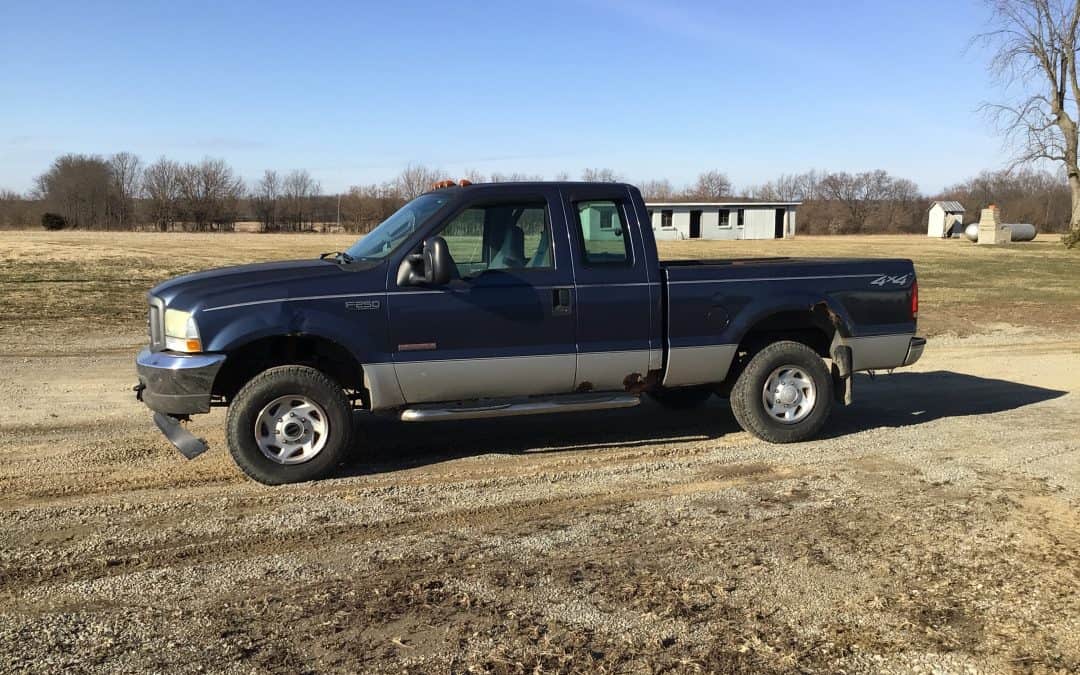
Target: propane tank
[[1022, 231], [971, 232]]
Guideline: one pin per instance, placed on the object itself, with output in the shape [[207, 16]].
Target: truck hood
[[261, 282]]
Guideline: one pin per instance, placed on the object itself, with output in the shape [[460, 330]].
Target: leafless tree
[[1036, 43], [79, 188], [126, 171], [161, 185], [365, 206], [657, 190], [710, 185], [265, 199], [415, 180], [299, 191], [515, 177], [601, 176], [211, 191]]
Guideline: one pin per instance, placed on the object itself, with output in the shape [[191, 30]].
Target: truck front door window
[[499, 237], [603, 233]]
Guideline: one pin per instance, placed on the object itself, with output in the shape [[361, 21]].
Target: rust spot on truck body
[[634, 383]]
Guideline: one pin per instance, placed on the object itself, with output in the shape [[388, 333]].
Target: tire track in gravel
[[505, 515]]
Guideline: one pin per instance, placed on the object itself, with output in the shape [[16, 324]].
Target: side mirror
[[431, 267], [436, 261]]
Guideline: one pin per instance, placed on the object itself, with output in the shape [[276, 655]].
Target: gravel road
[[935, 529]]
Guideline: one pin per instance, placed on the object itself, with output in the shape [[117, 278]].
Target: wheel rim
[[291, 430], [789, 394]]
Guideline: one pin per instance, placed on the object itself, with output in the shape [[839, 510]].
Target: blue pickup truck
[[488, 300]]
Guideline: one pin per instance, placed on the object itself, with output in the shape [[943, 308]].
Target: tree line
[[121, 192]]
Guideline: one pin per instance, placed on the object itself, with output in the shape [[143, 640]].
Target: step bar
[[484, 410]]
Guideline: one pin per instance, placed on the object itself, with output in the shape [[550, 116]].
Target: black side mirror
[[436, 261], [430, 267]]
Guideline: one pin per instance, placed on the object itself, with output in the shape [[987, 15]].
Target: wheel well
[[320, 353], [812, 328]]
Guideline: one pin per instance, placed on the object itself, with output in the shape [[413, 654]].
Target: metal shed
[[945, 219]]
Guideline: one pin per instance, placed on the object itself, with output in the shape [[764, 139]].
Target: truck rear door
[[617, 303]]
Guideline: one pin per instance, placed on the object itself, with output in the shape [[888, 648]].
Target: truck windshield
[[384, 239]]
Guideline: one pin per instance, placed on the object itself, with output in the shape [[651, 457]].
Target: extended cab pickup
[[515, 298]]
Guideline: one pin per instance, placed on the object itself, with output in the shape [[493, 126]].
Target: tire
[[798, 366], [682, 398], [309, 408]]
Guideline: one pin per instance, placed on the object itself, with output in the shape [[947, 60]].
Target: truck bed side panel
[[711, 307]]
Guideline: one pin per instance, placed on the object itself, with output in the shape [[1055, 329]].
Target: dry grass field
[[935, 528]]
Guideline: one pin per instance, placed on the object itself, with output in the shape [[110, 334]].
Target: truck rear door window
[[499, 237], [605, 240]]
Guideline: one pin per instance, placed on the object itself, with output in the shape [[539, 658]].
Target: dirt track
[[938, 527]]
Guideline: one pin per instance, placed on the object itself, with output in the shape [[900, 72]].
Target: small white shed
[[945, 219]]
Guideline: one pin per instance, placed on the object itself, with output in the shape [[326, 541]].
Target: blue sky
[[353, 91]]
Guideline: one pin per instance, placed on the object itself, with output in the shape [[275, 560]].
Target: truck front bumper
[[176, 384]]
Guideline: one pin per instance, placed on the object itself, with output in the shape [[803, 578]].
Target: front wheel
[[784, 395], [289, 424]]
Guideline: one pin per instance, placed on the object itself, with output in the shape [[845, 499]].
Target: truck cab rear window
[[605, 240]]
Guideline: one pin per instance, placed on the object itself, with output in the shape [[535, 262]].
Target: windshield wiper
[[338, 256]]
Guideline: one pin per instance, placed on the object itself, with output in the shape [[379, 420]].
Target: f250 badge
[[362, 305], [886, 279]]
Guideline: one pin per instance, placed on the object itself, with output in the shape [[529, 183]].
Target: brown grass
[[52, 281]]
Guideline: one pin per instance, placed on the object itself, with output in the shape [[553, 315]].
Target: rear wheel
[[289, 424], [683, 398], [784, 395]]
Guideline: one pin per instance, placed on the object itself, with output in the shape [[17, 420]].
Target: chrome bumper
[[176, 384], [914, 350]]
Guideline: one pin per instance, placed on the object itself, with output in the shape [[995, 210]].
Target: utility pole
[[339, 210]]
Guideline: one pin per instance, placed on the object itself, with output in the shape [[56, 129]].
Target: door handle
[[560, 301]]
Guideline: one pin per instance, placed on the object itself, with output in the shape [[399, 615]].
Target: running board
[[473, 411]]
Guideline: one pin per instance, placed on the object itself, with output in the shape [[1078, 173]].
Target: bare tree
[[211, 191], [1036, 44], [127, 182], [657, 190], [79, 188], [265, 199], [161, 185], [601, 176], [711, 185], [299, 191], [415, 180]]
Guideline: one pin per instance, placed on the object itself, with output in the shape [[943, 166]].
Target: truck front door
[[504, 325]]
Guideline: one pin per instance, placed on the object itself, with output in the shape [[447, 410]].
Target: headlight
[[181, 333]]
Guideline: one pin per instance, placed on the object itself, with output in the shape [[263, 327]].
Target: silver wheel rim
[[789, 394], [291, 429]]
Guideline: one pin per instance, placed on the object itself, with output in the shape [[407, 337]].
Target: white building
[[945, 219], [723, 220]]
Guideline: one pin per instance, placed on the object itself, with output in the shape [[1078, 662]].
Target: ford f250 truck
[[487, 300]]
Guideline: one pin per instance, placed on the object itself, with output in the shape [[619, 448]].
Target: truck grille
[[156, 324]]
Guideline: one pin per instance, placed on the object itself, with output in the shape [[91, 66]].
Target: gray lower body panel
[[459, 379], [698, 365]]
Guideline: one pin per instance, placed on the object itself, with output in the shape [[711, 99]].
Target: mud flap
[[188, 445], [843, 381]]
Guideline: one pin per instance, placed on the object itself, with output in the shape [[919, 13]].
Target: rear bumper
[[915, 350], [176, 384]]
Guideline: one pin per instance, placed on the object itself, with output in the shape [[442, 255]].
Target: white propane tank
[[1022, 231], [971, 232]]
